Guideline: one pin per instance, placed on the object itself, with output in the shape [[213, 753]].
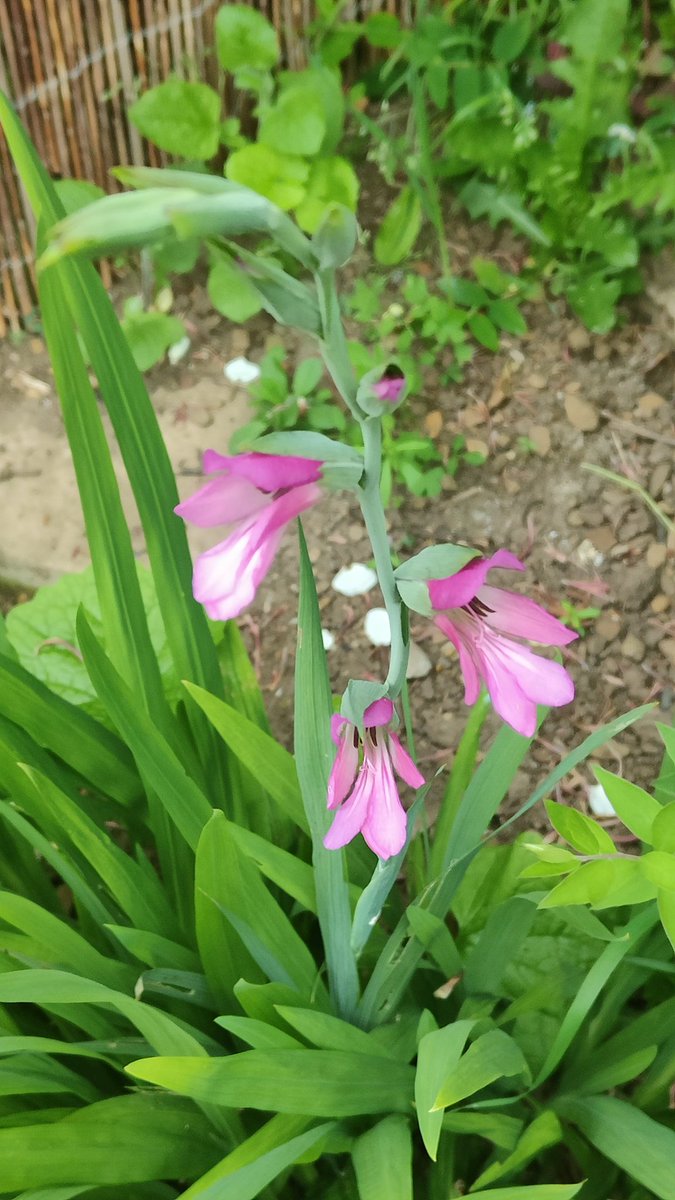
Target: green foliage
[[177, 116]]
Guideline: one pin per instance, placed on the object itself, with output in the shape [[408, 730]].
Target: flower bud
[[382, 390]]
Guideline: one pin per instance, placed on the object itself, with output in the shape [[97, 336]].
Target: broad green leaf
[[149, 335], [123, 1141], [230, 291], [329, 1033], [382, 1160], [435, 936], [544, 1131], [59, 987], [400, 228], [331, 181], [594, 300], [438, 1052], [83, 743], [153, 949], [666, 905], [244, 38], [506, 315], [259, 1160], [637, 1144], [313, 756], [268, 936], [268, 762], [463, 766], [282, 178], [320, 1082], [498, 945], [259, 1035], [659, 868], [584, 834], [290, 873], [634, 806], [296, 123], [512, 37], [181, 118], [68, 947], [484, 331], [623, 1069], [663, 829], [538, 1191], [492, 1056], [30, 1075], [502, 1130], [603, 884]]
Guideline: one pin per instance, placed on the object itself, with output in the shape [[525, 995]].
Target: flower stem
[[373, 515]]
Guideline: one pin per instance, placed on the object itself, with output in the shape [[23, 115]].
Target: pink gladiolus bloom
[[390, 386], [481, 622], [366, 795], [257, 494]]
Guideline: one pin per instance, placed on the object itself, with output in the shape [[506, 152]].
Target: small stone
[[579, 338], [633, 647], [478, 446], [602, 351], [328, 639], [574, 518], [433, 423], [581, 414], [599, 802], [537, 381], [648, 404], [638, 585], [239, 341], [540, 437], [241, 370], [658, 478], [377, 627], [419, 663], [656, 555], [354, 580], [667, 647], [608, 625], [660, 603], [603, 538]]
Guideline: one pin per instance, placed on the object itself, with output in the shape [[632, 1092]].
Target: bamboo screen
[[71, 68]]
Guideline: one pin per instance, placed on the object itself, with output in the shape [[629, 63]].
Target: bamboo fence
[[72, 67]]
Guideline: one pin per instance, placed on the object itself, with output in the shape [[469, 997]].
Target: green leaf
[[666, 905], [539, 1191], [383, 30], [331, 181], [603, 884], [633, 805], [594, 300], [436, 562], [313, 755], [30, 1075], [329, 1033], [76, 193], [181, 118], [307, 375], [296, 123], [484, 331], [498, 945], [382, 1160], [244, 38], [545, 1131], [437, 1053], [255, 1163], [67, 947], [230, 292], [281, 178], [121, 1141], [511, 38], [584, 834], [662, 834], [506, 315], [488, 200], [492, 1056], [400, 228], [635, 1142], [320, 1082], [149, 335]]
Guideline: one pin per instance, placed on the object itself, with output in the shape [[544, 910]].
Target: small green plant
[[578, 618], [283, 401]]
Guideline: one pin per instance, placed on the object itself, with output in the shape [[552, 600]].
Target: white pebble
[[599, 802], [178, 351], [328, 639], [377, 627], [241, 370], [355, 580]]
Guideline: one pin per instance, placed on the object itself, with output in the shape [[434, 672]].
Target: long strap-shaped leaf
[[141, 444], [313, 754]]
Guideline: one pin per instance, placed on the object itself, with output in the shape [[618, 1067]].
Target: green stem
[[334, 343], [373, 515], [426, 163]]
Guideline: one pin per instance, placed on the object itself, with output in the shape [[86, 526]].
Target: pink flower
[[390, 386], [476, 617], [257, 494], [366, 795]]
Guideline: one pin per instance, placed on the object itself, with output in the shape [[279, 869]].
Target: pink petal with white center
[[403, 764], [227, 576], [378, 713], [523, 617], [222, 501], [386, 824], [350, 817], [344, 769], [464, 646], [269, 472], [457, 590]]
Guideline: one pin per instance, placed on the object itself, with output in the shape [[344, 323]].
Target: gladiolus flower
[[390, 386], [481, 622], [364, 790], [257, 494]]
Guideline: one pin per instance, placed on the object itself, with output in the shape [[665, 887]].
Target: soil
[[544, 405]]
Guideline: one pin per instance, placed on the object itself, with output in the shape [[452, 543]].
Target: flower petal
[[350, 817], [457, 590], [222, 501], [343, 772], [403, 764], [269, 472], [378, 713], [385, 827], [524, 618], [467, 660], [542, 680]]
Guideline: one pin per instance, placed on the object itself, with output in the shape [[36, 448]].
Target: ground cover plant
[[210, 986]]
